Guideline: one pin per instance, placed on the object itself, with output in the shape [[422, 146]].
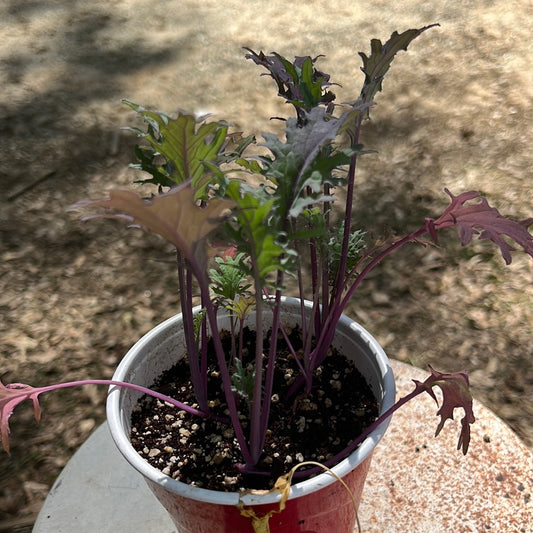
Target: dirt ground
[[74, 296]]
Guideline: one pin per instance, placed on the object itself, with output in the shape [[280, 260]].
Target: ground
[[74, 296]]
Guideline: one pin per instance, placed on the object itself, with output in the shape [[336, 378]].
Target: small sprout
[[243, 380]]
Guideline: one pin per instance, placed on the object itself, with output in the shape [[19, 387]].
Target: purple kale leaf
[[175, 216], [10, 397], [378, 63], [299, 82], [455, 394], [485, 221]]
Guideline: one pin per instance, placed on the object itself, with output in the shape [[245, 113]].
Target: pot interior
[[159, 349]]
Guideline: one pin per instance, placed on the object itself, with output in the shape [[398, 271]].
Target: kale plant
[[271, 207]]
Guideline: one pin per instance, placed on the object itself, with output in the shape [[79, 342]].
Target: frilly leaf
[[483, 220], [10, 397], [377, 65], [185, 142], [175, 216], [299, 82], [455, 393]]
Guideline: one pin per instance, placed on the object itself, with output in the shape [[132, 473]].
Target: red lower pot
[[318, 505], [329, 509]]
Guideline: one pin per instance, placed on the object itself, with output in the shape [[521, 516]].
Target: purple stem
[[341, 303], [337, 289], [338, 305], [256, 418], [291, 350], [123, 384], [226, 379], [269, 374], [185, 282]]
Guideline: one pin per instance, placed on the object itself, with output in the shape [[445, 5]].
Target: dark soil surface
[[456, 112], [205, 453]]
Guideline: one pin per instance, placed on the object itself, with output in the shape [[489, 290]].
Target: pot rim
[[121, 438]]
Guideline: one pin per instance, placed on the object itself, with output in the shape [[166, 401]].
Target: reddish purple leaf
[[455, 393], [174, 215], [10, 397], [483, 220]]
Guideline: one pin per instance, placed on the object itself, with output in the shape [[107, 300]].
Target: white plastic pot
[[317, 505]]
